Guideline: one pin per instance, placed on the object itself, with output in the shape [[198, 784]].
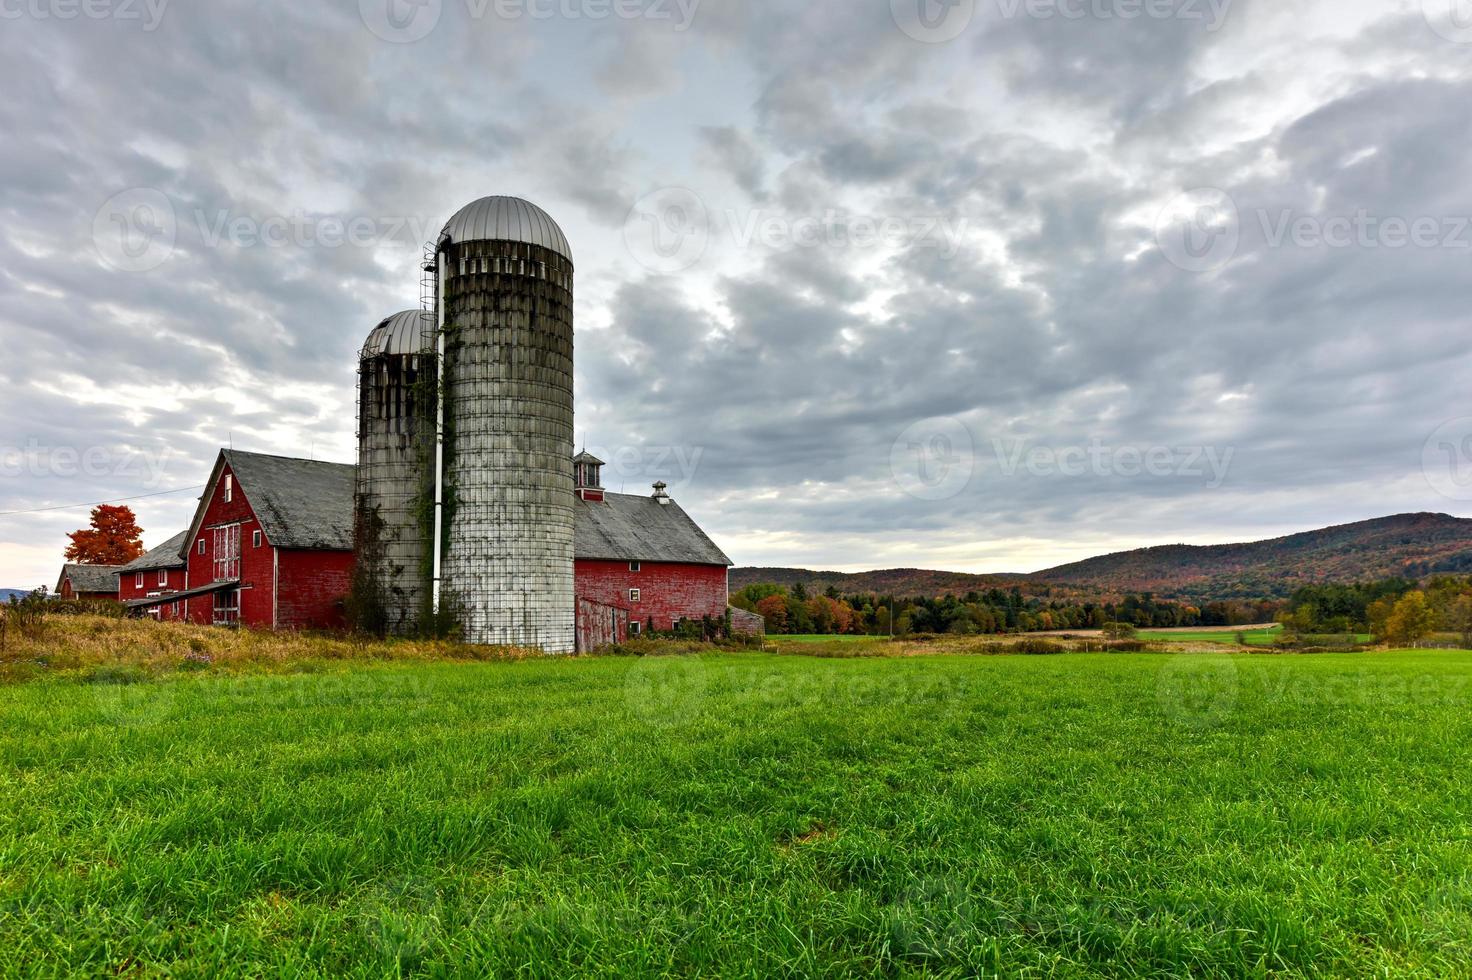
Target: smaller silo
[[395, 446]]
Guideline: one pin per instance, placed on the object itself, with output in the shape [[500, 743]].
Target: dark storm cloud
[[781, 378]]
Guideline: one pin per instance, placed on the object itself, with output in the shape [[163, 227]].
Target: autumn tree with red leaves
[[113, 539], [773, 609]]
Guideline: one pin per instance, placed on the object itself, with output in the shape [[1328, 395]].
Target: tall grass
[[739, 814]]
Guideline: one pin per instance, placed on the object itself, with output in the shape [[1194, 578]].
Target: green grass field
[[748, 814]]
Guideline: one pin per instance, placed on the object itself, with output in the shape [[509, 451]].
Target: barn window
[[227, 607], [201, 546], [229, 488], [163, 576], [633, 627], [633, 566], [462, 265], [633, 595], [227, 552], [255, 539], [138, 580]]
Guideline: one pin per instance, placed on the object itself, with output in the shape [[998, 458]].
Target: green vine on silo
[[366, 604]]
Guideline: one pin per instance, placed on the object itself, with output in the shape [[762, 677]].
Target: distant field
[[825, 638], [1083, 815], [1255, 637]]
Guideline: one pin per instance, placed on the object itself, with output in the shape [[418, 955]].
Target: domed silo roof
[[505, 219], [402, 333]]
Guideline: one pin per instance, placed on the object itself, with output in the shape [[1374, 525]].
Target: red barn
[[271, 544], [156, 574], [639, 562], [88, 582]]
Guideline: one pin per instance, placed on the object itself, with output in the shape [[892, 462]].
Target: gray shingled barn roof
[[90, 578], [301, 503], [167, 555], [625, 527], [306, 504]]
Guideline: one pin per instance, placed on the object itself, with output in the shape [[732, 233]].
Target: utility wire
[[95, 503]]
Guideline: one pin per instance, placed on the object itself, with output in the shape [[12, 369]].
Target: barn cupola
[[587, 476], [659, 492]]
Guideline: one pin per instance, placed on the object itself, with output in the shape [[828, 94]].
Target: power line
[[95, 503]]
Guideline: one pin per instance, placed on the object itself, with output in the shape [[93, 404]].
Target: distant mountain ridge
[[1410, 545], [5, 594]]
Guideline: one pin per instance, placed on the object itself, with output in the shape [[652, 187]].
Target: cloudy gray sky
[[974, 284]]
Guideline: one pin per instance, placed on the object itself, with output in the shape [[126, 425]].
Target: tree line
[[1397, 610], [793, 610]]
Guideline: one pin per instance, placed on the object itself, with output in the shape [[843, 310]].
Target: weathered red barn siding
[[599, 625], [668, 591], [311, 586], [128, 587], [255, 563]]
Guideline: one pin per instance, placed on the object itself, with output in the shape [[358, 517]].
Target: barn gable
[[300, 503]]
